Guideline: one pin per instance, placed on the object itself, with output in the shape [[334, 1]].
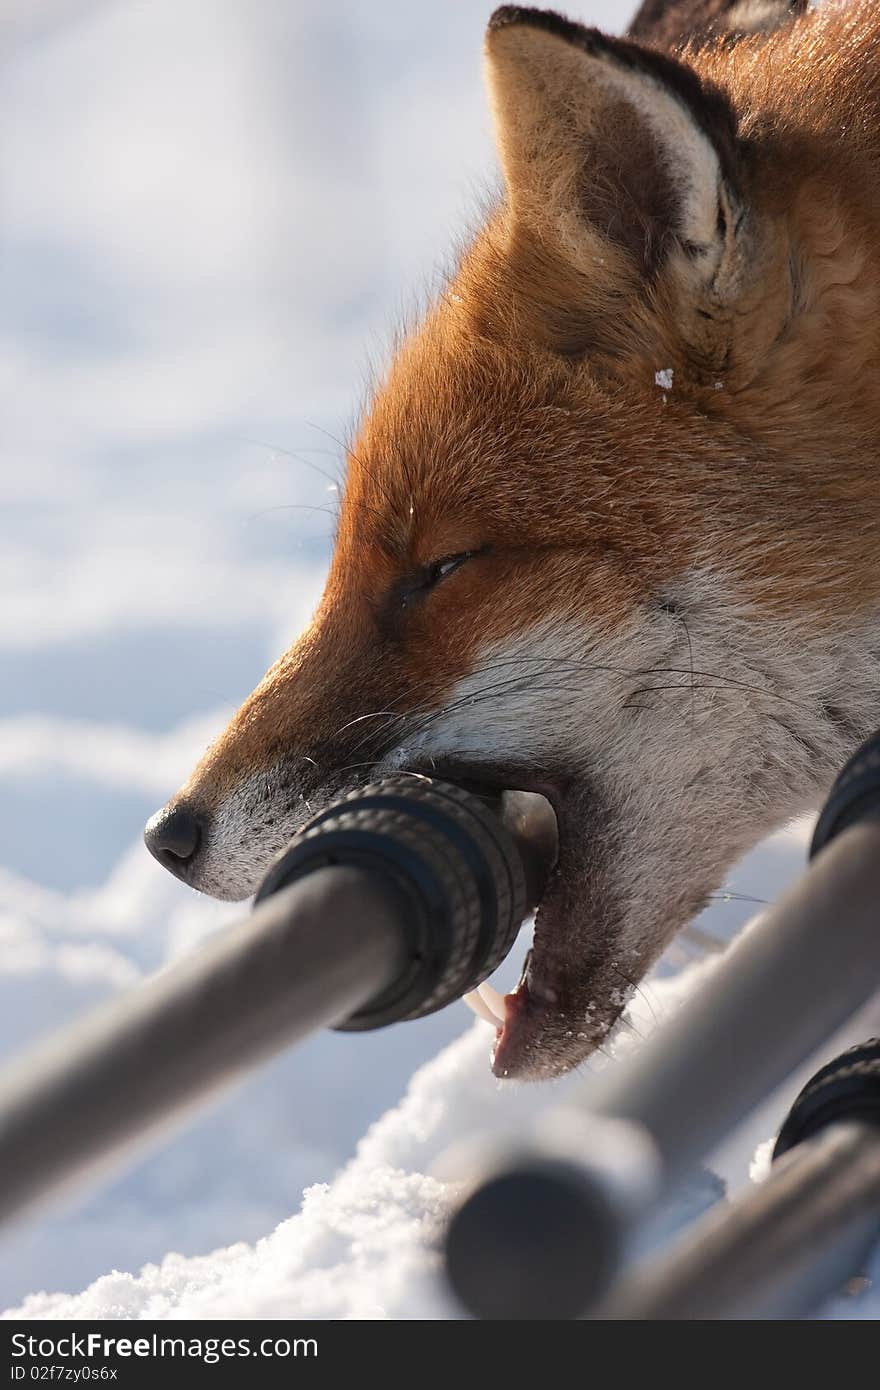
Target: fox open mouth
[[569, 993], [511, 1016], [548, 1024]]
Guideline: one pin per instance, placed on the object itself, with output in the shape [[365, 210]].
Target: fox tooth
[[474, 1000], [494, 1002], [487, 1004]]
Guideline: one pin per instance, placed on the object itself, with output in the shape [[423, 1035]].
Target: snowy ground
[[213, 212]]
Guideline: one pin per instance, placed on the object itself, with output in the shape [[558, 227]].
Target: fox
[[609, 530]]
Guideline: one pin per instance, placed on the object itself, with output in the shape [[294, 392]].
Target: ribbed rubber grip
[[854, 796], [458, 871], [846, 1089]]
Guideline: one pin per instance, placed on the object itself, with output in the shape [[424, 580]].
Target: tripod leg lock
[[457, 871], [846, 1089]]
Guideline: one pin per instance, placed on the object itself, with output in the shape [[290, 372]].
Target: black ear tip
[[508, 14], [548, 20]]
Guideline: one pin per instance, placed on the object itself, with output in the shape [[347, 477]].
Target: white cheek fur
[[717, 680], [704, 730]]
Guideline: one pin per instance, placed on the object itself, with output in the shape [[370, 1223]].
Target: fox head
[[605, 533]]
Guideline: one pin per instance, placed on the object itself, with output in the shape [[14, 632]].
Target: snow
[[211, 213]]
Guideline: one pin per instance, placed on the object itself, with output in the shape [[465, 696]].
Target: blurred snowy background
[[213, 214]]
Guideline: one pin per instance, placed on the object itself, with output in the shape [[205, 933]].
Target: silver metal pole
[[781, 1251], [388, 905], [308, 956], [782, 989], [779, 993]]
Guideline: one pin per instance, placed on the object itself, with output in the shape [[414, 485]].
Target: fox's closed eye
[[441, 568], [433, 574]]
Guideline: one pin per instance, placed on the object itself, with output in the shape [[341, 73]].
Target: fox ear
[[610, 148]]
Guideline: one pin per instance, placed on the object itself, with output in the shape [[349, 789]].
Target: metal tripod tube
[[781, 1251], [309, 957], [779, 993], [388, 905], [785, 987]]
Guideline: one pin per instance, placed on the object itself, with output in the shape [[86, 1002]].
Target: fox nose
[[173, 836]]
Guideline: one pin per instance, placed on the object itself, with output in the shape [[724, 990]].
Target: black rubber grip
[[854, 796], [846, 1089], [456, 868]]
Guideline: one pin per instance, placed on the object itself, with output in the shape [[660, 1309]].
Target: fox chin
[[610, 524]]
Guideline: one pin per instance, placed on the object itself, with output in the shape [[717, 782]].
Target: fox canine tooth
[[474, 1000], [487, 1004], [494, 1002]]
